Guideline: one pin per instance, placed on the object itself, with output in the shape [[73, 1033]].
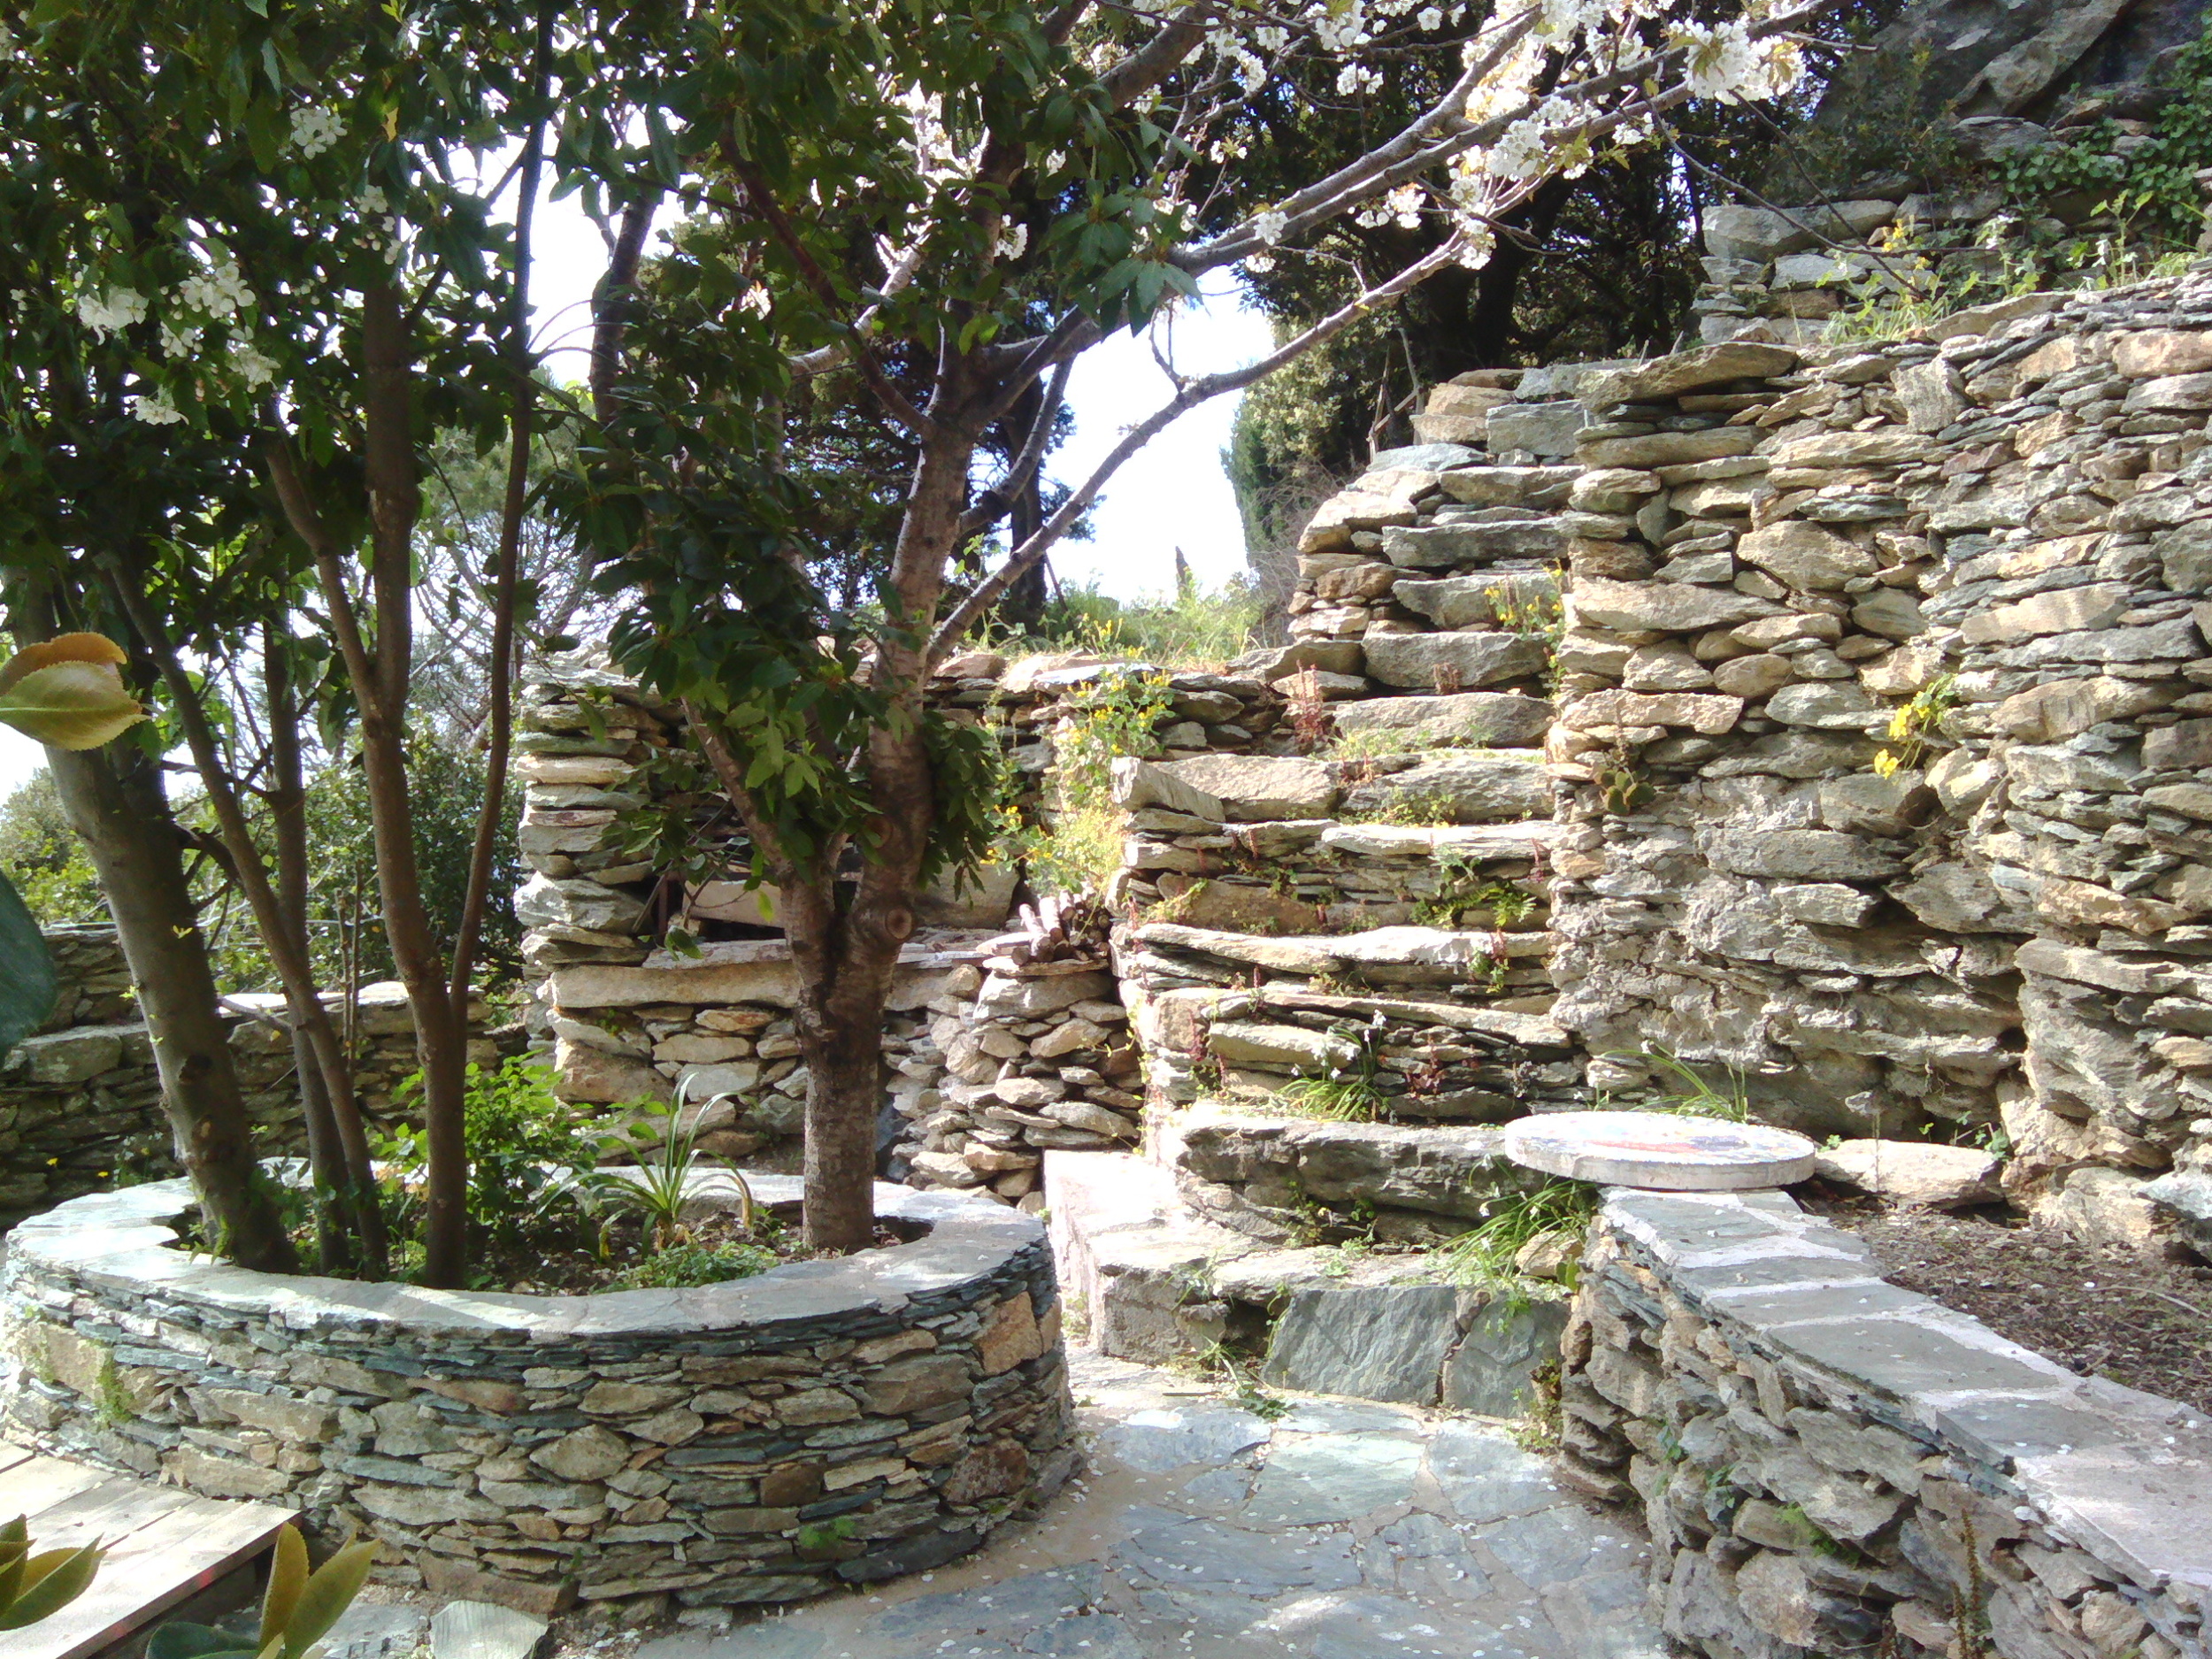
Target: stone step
[[1158, 1283]]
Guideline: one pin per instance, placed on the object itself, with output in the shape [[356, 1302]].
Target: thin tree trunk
[[325, 1061], [500, 692], [113, 799], [283, 934], [441, 1038]]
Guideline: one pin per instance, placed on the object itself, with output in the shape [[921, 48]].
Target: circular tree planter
[[824, 1423]]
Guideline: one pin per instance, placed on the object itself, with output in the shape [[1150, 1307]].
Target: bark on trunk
[[113, 799], [323, 1060], [441, 1045]]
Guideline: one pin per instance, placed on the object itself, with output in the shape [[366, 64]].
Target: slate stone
[[1491, 1372], [1554, 1544], [481, 1629], [1334, 1477], [1155, 1441], [1425, 1556], [771, 1638], [1373, 1342], [1017, 1606], [1214, 1558], [1485, 1476]]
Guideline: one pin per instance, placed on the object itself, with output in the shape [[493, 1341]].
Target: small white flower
[[314, 130], [220, 291], [1260, 262], [1269, 225], [1013, 241], [1432, 19], [177, 342], [111, 310], [374, 202], [254, 368], [757, 300], [153, 408]]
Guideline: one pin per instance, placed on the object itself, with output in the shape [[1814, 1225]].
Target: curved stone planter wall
[[826, 1423], [1830, 1464]]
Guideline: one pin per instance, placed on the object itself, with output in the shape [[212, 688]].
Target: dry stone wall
[[1973, 555], [81, 1099], [1828, 1464], [823, 1424]]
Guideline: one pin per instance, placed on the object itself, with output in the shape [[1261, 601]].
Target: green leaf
[[71, 705], [27, 990], [51, 1582], [194, 1641], [288, 1577], [328, 1593]]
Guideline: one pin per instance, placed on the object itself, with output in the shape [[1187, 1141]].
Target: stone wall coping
[[124, 1240], [2124, 1475]]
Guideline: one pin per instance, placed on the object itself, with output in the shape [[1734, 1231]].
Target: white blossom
[[1355, 77], [374, 202], [314, 130], [220, 291], [1260, 264], [177, 342], [1013, 241], [253, 366], [757, 300], [1432, 19], [110, 312], [1722, 61], [153, 408], [1269, 225]]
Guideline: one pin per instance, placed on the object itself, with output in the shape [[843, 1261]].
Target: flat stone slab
[[1659, 1150]]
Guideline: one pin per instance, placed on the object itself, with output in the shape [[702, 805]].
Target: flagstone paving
[[1341, 1530]]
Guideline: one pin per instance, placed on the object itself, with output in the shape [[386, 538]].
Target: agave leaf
[[288, 1577], [328, 1593], [71, 705], [68, 647], [51, 1582]]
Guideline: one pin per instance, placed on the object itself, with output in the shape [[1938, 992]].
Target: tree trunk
[[113, 799], [323, 1061], [441, 1036]]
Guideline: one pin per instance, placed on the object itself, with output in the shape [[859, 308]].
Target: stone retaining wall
[[1830, 1465], [824, 1423], [81, 1100], [1996, 534]]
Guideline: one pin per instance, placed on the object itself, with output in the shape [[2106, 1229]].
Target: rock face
[[686, 1440], [1783, 1431], [1416, 1345]]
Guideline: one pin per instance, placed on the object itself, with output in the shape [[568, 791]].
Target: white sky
[[1172, 494]]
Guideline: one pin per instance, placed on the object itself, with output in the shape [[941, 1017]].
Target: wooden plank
[[177, 1555], [10, 1453], [116, 1508], [39, 1483]]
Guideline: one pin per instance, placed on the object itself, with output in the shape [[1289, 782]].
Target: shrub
[[531, 1161]]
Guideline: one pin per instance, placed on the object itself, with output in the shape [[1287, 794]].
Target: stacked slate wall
[[81, 1099]]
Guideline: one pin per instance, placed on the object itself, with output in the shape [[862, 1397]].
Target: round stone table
[[1661, 1150]]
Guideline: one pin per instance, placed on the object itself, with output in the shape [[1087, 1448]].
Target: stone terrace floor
[[1342, 1529]]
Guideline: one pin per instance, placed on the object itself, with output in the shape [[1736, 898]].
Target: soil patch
[[2097, 1310]]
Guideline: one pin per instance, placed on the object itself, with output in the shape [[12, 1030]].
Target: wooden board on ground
[[164, 1546]]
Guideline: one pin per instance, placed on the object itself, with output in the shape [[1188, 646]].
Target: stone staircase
[[1336, 962]]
